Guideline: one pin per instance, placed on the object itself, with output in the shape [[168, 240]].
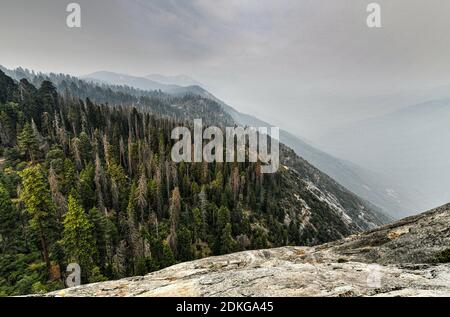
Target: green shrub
[[443, 257]]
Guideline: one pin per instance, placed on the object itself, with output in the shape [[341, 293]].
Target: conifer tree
[[8, 220], [58, 199], [175, 208], [184, 240], [78, 240], [141, 194], [168, 258], [28, 142], [228, 244], [37, 198]]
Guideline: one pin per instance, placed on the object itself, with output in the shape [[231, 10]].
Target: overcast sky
[[302, 64]]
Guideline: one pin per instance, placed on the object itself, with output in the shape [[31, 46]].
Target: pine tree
[[78, 240], [37, 198], [259, 240], [86, 186], [28, 142], [120, 259], [223, 218], [58, 199], [85, 148], [228, 245], [168, 258], [99, 231], [70, 177], [175, 208], [48, 98], [100, 183], [197, 224], [75, 147], [8, 220], [141, 194], [184, 240], [203, 208]]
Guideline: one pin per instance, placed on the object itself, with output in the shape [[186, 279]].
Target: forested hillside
[[93, 183], [178, 106], [196, 102]]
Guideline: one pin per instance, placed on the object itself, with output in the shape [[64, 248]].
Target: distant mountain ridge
[[218, 116], [179, 80], [360, 181], [140, 83], [413, 143], [381, 189]]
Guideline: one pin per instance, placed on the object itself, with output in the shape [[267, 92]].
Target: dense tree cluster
[[185, 106], [94, 184]]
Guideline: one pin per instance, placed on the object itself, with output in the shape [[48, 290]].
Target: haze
[[311, 67]]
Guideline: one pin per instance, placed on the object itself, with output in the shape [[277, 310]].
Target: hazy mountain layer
[[139, 83], [217, 113], [409, 146], [179, 80], [367, 185]]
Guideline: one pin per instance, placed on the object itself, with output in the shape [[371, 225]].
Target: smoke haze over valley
[[376, 98], [135, 157]]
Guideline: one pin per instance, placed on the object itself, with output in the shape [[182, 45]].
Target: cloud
[[305, 56]]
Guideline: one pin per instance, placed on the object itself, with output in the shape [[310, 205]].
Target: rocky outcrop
[[394, 260]]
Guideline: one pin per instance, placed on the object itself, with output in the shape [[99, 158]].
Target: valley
[[192, 148], [384, 190], [166, 214]]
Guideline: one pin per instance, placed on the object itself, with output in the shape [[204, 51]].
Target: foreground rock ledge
[[388, 261]]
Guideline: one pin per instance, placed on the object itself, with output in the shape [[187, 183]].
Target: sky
[[306, 65]]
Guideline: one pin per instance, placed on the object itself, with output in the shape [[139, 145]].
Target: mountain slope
[[364, 183], [385, 189], [102, 174], [140, 83], [393, 260], [365, 215], [343, 172], [179, 80], [127, 80]]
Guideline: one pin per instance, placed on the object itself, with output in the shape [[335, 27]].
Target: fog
[[311, 67]]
